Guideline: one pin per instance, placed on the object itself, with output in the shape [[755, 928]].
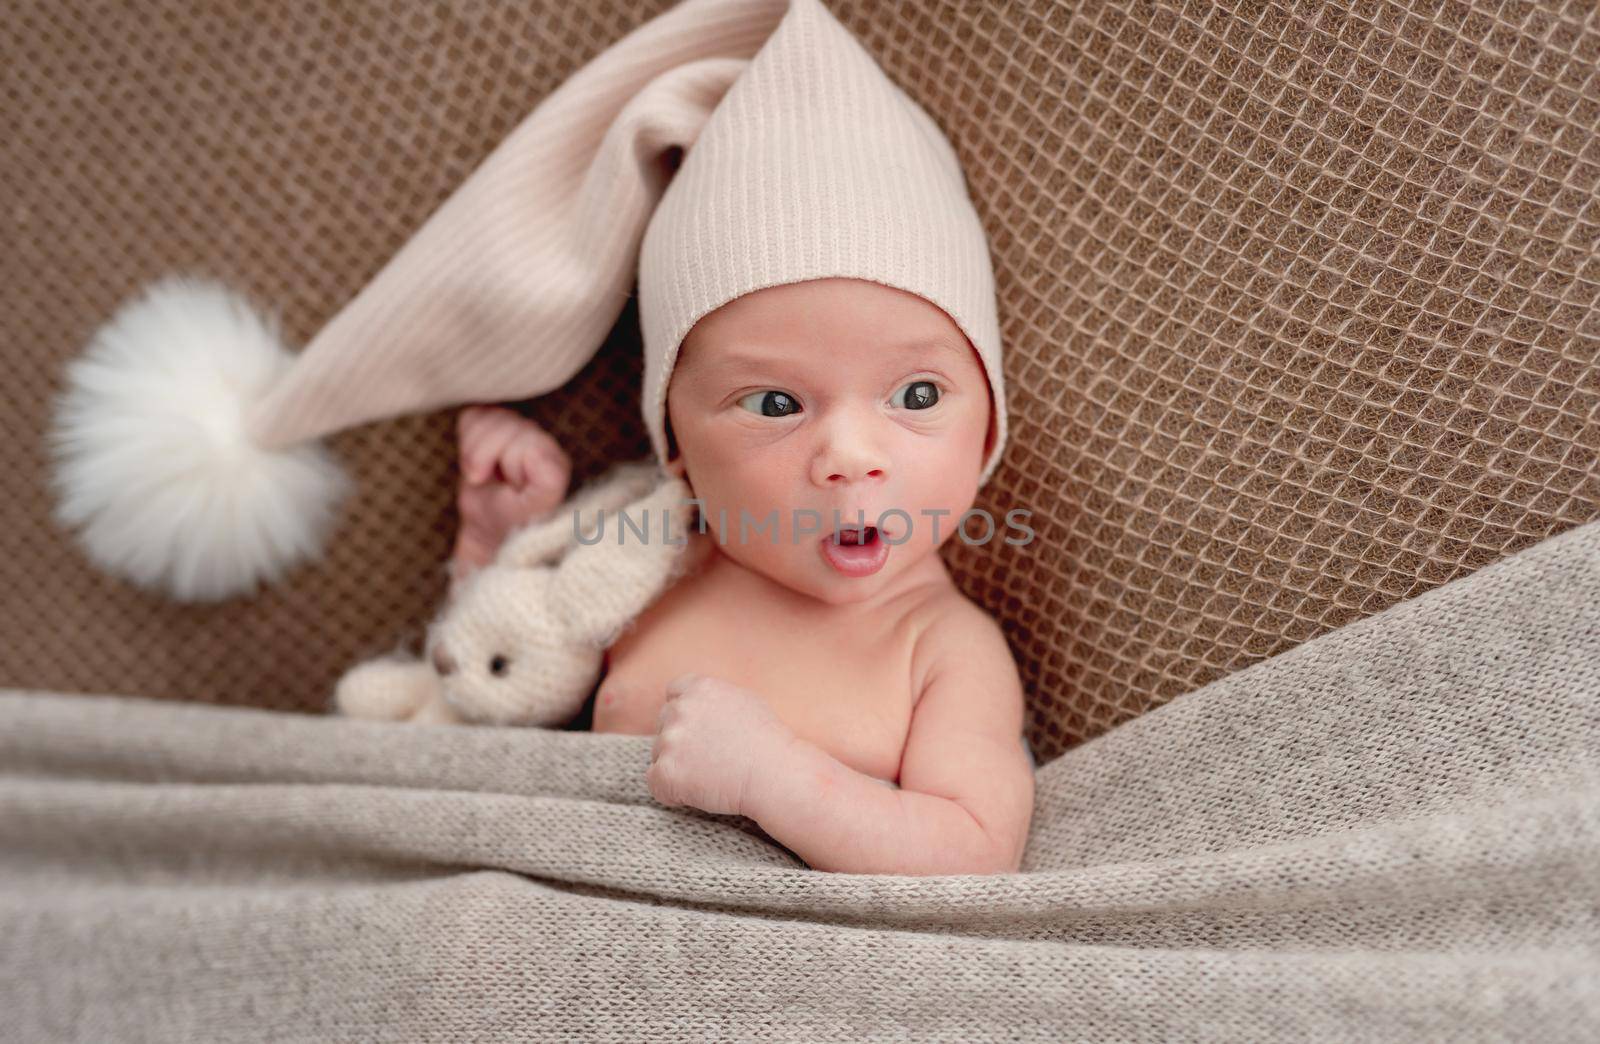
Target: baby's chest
[[849, 693]]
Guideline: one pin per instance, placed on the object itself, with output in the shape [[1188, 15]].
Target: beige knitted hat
[[186, 444]]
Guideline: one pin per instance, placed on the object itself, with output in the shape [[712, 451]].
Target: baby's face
[[832, 394]]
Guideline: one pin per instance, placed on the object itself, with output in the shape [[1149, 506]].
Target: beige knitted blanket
[[1391, 832]]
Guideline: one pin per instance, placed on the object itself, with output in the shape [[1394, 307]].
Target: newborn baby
[[849, 699]]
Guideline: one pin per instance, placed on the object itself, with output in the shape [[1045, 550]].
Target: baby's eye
[[771, 403], [924, 394]]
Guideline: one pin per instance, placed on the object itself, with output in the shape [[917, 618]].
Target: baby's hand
[[512, 472], [711, 739]]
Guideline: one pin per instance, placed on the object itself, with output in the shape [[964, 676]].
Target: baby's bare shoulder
[[955, 632], [951, 611]]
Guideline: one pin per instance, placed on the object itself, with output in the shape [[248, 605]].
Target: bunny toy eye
[[771, 403], [924, 395], [498, 665]]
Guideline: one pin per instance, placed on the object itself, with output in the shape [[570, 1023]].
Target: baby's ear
[[675, 465]]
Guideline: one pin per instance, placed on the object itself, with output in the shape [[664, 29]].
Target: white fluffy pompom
[[153, 463]]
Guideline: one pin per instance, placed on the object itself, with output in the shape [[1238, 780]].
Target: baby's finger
[[511, 467], [546, 441], [472, 420], [558, 461], [486, 449], [475, 450], [548, 470], [477, 466], [519, 469], [546, 467], [555, 453]]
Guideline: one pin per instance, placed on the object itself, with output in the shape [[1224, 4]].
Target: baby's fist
[[512, 473], [498, 442], [712, 737]]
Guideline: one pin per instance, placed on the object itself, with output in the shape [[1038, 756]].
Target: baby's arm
[[512, 472], [965, 802]]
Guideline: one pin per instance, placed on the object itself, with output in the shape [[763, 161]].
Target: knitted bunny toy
[[523, 639]]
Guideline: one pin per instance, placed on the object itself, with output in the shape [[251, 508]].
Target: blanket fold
[[1390, 832]]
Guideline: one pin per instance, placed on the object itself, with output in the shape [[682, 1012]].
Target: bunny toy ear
[[546, 541], [539, 543], [599, 589]]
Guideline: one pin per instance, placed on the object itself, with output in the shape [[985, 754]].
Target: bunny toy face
[[523, 640], [503, 656]]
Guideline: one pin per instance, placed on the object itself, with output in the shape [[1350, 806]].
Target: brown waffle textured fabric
[[1301, 306]]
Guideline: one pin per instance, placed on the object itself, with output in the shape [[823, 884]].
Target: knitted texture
[[1391, 832], [1298, 305]]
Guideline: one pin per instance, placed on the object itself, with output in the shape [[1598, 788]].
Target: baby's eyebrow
[[735, 360], [943, 345]]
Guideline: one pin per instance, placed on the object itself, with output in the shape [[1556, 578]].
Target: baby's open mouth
[[855, 552], [858, 536]]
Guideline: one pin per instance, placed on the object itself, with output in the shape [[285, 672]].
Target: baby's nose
[[443, 662]]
